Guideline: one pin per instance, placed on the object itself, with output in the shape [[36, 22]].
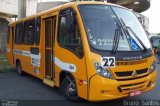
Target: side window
[[69, 34], [38, 29], [19, 34], [8, 35], [29, 32]]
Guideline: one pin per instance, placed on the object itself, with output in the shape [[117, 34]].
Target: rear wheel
[[19, 69], [69, 89]]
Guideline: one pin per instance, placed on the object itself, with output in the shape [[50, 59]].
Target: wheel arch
[[63, 74], [17, 61]]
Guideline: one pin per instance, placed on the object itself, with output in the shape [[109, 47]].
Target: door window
[[69, 34]]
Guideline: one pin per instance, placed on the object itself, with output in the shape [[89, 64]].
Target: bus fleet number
[[108, 61]]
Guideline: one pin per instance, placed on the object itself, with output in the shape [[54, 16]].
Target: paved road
[[14, 87]]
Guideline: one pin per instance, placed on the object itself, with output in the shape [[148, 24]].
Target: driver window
[[69, 34]]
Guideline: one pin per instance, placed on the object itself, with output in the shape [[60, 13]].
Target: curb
[[4, 69]]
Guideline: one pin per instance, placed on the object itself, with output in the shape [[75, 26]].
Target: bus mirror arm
[[73, 13]]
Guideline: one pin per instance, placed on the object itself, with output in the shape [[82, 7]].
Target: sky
[[154, 16]]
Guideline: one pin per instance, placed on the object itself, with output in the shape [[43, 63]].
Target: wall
[[31, 7], [26, 8], [3, 34], [21, 9], [9, 7], [42, 6], [143, 20]]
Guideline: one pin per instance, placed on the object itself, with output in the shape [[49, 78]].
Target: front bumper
[[102, 89]]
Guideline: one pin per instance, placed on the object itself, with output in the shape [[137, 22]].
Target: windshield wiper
[[126, 28], [116, 38]]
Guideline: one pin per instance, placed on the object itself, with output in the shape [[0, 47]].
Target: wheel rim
[[71, 89]]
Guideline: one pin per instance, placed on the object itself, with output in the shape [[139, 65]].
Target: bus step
[[48, 82]]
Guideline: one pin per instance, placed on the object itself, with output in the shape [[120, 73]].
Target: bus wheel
[[19, 69], [69, 89]]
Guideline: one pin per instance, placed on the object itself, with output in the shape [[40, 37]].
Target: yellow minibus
[[91, 50]]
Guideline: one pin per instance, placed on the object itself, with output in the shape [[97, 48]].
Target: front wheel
[[69, 89]]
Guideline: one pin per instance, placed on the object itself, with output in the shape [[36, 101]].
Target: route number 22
[[108, 62]]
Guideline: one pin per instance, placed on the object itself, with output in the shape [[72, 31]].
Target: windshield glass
[[101, 25], [131, 21]]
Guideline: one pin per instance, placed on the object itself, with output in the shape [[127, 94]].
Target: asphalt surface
[[15, 87]]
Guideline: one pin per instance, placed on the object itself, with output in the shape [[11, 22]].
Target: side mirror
[[73, 13]]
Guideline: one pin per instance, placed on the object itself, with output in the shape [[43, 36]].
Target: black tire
[[70, 95], [19, 69]]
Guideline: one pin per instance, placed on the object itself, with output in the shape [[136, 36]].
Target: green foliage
[[2, 56]]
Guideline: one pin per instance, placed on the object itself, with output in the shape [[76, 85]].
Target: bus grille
[[134, 86], [120, 63], [129, 73]]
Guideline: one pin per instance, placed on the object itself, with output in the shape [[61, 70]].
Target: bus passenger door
[[50, 24]]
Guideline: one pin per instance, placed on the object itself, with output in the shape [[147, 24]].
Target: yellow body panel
[[102, 89], [94, 86]]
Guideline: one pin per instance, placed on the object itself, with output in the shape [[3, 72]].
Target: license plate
[[135, 93]]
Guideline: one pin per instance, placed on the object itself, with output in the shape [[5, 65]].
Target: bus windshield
[[104, 25]]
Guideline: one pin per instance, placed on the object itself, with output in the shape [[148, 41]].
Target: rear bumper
[[102, 89]]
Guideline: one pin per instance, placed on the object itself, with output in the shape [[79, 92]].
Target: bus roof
[[57, 8]]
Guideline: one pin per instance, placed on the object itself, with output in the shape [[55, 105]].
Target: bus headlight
[[103, 72], [153, 67]]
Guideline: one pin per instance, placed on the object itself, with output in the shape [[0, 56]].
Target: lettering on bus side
[[18, 52], [21, 52], [71, 67], [35, 59]]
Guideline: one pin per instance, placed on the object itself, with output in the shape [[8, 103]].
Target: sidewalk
[[4, 65]]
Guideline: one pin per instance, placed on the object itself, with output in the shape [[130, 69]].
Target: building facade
[[8, 9], [143, 20], [26, 8], [42, 6]]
